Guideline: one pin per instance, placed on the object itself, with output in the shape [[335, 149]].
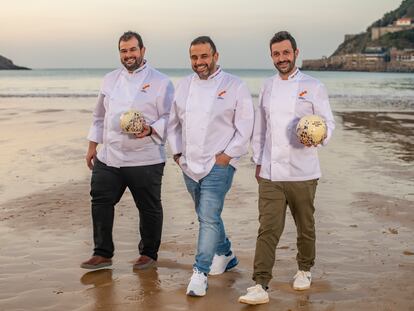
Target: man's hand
[[316, 145], [311, 145], [91, 154], [147, 131], [258, 168], [222, 159], [176, 158]]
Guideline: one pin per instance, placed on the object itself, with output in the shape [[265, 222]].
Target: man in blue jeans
[[211, 121]]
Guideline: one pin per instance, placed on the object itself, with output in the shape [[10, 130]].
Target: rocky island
[[7, 64], [386, 45]]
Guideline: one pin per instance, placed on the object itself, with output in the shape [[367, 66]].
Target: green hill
[[355, 45], [406, 9], [400, 40]]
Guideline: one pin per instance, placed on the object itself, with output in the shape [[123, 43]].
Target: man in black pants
[[128, 160]]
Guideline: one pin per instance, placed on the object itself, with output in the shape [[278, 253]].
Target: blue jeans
[[208, 195]]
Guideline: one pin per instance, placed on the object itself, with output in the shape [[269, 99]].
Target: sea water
[[348, 91]]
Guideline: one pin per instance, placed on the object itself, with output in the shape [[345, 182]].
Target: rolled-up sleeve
[[97, 128], [243, 122], [259, 131]]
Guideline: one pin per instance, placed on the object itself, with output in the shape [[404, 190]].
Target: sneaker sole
[[193, 294], [144, 266], [301, 288], [96, 267], [253, 302], [232, 263]]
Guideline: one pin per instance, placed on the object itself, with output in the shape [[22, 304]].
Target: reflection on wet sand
[[98, 278], [394, 130], [103, 289], [147, 289], [363, 218]]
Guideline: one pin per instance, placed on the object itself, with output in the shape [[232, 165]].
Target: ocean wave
[[48, 95], [60, 95]]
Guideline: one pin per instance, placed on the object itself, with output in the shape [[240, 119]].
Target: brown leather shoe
[[144, 262], [96, 262]]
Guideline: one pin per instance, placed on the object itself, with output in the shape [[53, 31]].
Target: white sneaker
[[198, 284], [223, 263], [255, 295], [302, 280]]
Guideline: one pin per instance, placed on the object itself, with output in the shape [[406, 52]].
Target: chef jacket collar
[[211, 77], [295, 75], [137, 71]]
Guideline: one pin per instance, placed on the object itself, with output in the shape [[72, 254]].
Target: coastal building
[[405, 21], [402, 60], [399, 25], [372, 59], [365, 52], [405, 55]]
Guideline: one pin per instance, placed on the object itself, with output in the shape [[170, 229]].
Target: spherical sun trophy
[[132, 122], [311, 130]]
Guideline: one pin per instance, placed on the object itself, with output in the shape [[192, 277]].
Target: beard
[[132, 66], [206, 70], [288, 68]]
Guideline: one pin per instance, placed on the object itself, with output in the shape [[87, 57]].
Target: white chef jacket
[[275, 145], [146, 90], [209, 117]]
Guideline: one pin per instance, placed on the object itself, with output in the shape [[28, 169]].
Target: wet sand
[[364, 219]]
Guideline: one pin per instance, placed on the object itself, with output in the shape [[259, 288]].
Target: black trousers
[[108, 184]]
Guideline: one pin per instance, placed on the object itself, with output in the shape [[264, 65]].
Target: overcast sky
[[84, 33]]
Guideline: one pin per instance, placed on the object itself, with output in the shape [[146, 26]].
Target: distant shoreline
[[270, 70], [358, 70]]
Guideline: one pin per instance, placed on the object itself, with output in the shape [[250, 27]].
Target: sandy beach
[[364, 219]]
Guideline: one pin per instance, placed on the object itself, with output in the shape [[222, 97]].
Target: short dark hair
[[282, 36], [203, 40], [128, 36]]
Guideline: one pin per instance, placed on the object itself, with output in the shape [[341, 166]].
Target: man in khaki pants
[[287, 171]]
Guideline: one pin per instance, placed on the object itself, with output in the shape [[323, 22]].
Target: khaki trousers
[[274, 197]]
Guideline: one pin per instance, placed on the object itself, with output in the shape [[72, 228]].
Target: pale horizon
[[83, 35]]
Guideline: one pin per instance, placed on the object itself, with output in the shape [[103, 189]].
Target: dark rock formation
[[7, 64]]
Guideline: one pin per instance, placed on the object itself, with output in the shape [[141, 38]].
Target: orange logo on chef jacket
[[220, 95], [302, 94], [145, 87]]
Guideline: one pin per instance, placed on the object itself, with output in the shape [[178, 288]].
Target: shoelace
[[253, 288], [199, 275]]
